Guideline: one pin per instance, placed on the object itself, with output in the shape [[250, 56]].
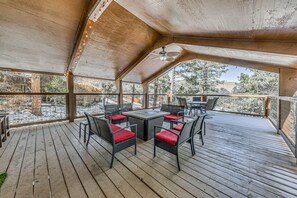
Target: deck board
[[236, 161]]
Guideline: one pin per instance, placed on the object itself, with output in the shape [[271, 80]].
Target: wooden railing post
[[267, 106], [120, 91], [146, 96], [71, 97]]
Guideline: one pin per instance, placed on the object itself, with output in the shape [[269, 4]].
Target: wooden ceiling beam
[[269, 46], [159, 43], [186, 56], [91, 15]]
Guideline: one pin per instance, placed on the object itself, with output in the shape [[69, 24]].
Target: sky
[[234, 72]]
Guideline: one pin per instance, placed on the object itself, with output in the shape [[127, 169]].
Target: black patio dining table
[[196, 105]]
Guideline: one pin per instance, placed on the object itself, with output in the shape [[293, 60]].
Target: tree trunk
[[155, 93], [36, 102]]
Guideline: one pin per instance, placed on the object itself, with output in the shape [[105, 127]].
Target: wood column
[[120, 91], [267, 106], [71, 97], [287, 87], [146, 96]]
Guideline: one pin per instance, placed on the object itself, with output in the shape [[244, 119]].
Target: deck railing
[[26, 108], [137, 100], [93, 103], [287, 120]]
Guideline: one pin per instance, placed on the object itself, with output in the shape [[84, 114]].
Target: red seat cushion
[[123, 135], [117, 117], [168, 137], [178, 127], [114, 127], [172, 117]]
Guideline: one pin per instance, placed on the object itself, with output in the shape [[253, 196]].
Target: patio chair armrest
[[156, 126], [107, 113], [175, 122], [132, 125], [181, 113]]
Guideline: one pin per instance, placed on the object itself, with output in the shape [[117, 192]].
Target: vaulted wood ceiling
[[126, 39]]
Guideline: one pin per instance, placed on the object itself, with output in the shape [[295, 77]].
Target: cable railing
[[241, 104], [156, 100], [27, 108], [137, 100], [93, 103]]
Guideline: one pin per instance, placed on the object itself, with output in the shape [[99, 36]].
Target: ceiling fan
[[167, 56]]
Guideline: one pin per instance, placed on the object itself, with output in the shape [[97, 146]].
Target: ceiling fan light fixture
[[163, 57]]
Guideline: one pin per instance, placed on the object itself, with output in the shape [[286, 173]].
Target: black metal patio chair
[[170, 140], [197, 129], [176, 112], [119, 138], [183, 102], [113, 114]]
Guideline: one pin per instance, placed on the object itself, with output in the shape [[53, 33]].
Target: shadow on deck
[[242, 157]]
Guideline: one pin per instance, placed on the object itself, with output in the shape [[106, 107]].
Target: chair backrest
[[165, 107], [104, 128], [197, 98], [199, 123], [174, 109], [127, 107], [183, 102], [211, 103], [186, 131], [112, 108], [92, 125]]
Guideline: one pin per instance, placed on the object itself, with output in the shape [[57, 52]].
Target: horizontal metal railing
[[235, 103], [31, 108], [137, 100], [93, 103], [283, 114]]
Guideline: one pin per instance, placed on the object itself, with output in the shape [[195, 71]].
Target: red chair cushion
[[114, 127], [168, 137], [123, 135], [178, 127], [172, 117], [117, 117]]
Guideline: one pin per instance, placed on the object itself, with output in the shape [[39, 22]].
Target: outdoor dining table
[[196, 104], [146, 120]]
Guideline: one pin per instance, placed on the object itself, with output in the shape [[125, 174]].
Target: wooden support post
[[295, 137], [71, 98], [120, 91], [267, 106], [146, 96], [204, 98], [278, 115]]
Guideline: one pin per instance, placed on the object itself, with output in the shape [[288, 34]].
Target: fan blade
[[172, 54]]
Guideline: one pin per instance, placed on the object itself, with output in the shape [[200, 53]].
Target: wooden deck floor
[[237, 160]]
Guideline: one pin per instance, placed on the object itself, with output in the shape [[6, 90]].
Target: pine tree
[[200, 76]]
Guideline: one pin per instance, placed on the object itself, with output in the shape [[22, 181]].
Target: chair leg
[[154, 149], [79, 130], [85, 133], [193, 147], [201, 136], [204, 128], [112, 158], [177, 161], [88, 138]]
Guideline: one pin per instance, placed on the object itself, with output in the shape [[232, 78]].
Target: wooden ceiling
[[38, 35], [257, 19], [118, 38], [125, 40]]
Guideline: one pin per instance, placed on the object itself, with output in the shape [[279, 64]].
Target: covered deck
[[242, 157]]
